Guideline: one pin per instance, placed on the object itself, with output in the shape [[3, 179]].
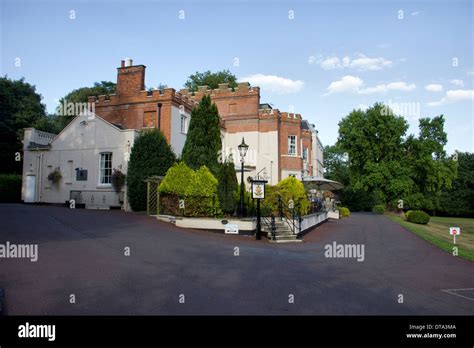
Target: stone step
[[286, 239]]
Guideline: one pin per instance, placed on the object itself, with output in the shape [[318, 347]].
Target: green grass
[[437, 233]]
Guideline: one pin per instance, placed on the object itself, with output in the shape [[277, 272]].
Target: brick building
[[280, 143]]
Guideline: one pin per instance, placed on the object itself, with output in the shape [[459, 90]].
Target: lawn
[[437, 233]]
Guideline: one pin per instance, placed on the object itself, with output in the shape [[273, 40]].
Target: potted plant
[[55, 175]]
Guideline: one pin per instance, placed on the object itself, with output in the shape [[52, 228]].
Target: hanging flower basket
[[118, 180], [55, 176]]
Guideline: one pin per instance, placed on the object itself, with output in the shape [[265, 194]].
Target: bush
[[227, 187], [10, 188], [407, 213], [151, 155], [198, 189], [378, 209], [288, 189], [418, 217], [344, 212]]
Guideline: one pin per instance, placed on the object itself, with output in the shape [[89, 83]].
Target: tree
[[430, 169], [80, 96], [203, 142], [210, 79], [336, 166], [385, 167], [459, 200], [151, 155], [373, 140], [228, 186], [20, 107]]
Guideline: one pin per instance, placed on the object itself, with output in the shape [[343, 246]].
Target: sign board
[[231, 229], [454, 231], [258, 190]]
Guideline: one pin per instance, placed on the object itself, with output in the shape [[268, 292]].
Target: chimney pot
[[122, 63]]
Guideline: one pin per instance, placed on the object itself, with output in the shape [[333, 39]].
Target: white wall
[[78, 146], [262, 153], [177, 137]]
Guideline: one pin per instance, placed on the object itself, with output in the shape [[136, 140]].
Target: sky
[[321, 59]]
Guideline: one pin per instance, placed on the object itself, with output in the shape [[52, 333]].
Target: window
[[184, 124], [105, 171], [292, 145], [305, 153], [81, 175]]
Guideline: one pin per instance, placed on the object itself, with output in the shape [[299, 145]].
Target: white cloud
[[392, 86], [434, 87], [274, 84], [415, 13], [361, 62], [456, 82], [347, 84], [366, 63], [355, 84], [453, 96], [470, 72], [330, 63]]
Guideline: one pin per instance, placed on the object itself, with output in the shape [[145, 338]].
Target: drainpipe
[[159, 115]]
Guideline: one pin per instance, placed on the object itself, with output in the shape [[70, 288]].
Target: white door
[[30, 189]]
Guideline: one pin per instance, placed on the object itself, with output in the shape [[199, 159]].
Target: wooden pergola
[[152, 194]]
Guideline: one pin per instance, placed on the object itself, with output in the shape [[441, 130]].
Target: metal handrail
[[284, 208]]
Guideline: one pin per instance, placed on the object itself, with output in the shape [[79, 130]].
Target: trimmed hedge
[[10, 188], [408, 212], [418, 217], [198, 189], [344, 212], [378, 209]]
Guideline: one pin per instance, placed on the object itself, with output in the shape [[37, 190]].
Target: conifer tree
[[203, 142]]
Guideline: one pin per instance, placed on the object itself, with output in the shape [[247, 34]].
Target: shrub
[[151, 155], [408, 213], [198, 189], [227, 187], [10, 188], [288, 189], [418, 217], [378, 209], [345, 212]]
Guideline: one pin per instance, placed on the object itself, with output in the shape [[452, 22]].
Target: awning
[[320, 183]]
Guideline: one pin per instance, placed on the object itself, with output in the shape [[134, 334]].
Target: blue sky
[[319, 58]]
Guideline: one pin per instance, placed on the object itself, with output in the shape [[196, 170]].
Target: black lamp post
[[243, 147]]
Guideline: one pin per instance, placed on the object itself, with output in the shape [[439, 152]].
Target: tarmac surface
[[171, 270]]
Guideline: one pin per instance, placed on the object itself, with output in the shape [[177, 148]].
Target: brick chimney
[[130, 78]]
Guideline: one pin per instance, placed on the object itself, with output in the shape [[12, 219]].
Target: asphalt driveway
[[82, 252]]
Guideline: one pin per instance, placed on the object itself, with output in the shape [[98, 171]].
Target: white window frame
[[184, 123], [305, 154], [292, 145], [101, 169]]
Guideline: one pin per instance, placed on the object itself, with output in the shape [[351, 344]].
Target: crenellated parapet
[[223, 91]]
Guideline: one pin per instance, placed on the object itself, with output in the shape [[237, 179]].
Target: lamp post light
[[243, 147]]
